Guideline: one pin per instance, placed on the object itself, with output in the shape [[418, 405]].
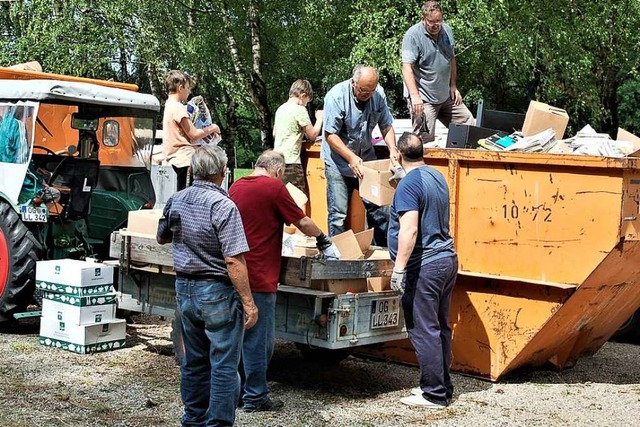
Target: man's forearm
[[390, 139], [409, 79], [237, 270], [454, 72], [308, 227], [337, 145]]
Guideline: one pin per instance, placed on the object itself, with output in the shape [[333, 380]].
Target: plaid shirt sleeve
[[230, 229], [164, 231]]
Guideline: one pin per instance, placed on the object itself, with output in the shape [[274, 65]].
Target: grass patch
[[239, 173]]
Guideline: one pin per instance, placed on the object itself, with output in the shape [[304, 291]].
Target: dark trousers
[[182, 175], [426, 304]]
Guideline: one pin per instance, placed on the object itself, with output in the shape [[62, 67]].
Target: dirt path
[[138, 386]]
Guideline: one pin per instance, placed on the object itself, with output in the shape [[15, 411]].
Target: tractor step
[[27, 314]]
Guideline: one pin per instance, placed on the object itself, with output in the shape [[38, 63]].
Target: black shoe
[[267, 406]]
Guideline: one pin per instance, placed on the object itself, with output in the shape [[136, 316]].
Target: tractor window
[[16, 123]]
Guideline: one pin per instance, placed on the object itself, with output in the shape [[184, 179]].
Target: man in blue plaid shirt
[[214, 302]]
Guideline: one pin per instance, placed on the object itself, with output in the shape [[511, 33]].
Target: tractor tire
[[18, 256]]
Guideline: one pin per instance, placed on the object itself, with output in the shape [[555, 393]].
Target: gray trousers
[[424, 125]]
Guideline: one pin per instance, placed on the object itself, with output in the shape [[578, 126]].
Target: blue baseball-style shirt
[[353, 121], [425, 190], [204, 226]]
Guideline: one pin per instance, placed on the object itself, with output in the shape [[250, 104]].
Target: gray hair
[[271, 161], [357, 71], [208, 161]]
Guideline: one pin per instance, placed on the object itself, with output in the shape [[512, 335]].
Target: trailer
[[324, 324]]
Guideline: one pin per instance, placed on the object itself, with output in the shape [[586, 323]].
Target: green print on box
[[82, 349], [80, 301], [75, 290]]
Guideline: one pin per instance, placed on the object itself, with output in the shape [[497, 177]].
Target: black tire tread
[[18, 292]]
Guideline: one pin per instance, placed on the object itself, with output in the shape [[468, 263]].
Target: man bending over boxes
[[265, 206]]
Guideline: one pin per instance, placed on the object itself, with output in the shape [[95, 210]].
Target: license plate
[[34, 213], [385, 313]]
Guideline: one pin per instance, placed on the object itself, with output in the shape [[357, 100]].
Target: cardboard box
[[353, 246], [375, 185], [541, 116], [83, 339], [79, 310], [340, 286], [78, 315], [144, 221], [71, 274], [379, 284]]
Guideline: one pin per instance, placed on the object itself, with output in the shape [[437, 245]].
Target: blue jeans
[[426, 303], [257, 349], [339, 190], [212, 328]]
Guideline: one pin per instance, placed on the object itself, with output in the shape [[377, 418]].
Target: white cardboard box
[[72, 272], [83, 339], [84, 313]]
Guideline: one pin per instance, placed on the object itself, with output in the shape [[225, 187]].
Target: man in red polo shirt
[[265, 206]]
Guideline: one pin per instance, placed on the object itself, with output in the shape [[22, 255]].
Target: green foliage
[[580, 55]]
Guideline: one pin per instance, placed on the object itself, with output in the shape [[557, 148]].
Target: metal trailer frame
[[312, 317]]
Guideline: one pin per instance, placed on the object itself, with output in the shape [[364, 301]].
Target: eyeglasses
[[434, 23], [360, 91]]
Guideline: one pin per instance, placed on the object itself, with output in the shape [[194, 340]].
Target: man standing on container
[[429, 71], [214, 302], [352, 109], [266, 206], [425, 270]]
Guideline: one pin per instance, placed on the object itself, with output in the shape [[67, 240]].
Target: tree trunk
[[232, 126], [252, 81]]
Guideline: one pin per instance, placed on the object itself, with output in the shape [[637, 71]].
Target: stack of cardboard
[[79, 306]]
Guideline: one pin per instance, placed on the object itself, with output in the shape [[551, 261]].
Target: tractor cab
[[74, 160]]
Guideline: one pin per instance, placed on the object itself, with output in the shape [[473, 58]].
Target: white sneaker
[[416, 391], [420, 401]]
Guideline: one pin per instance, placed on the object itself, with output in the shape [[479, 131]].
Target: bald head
[[365, 81], [410, 146], [271, 161]]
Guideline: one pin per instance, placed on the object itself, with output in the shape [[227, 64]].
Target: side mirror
[[80, 122], [110, 133]]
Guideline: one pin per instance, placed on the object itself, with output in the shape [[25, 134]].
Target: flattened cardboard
[[364, 239], [624, 135], [374, 184], [298, 195], [541, 116]]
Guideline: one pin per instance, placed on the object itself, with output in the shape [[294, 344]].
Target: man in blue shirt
[[352, 109], [425, 269], [429, 70], [214, 302]]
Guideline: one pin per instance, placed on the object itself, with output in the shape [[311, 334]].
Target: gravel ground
[[138, 386]]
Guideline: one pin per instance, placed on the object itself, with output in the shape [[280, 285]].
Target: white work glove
[[397, 279], [331, 252], [398, 173]]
